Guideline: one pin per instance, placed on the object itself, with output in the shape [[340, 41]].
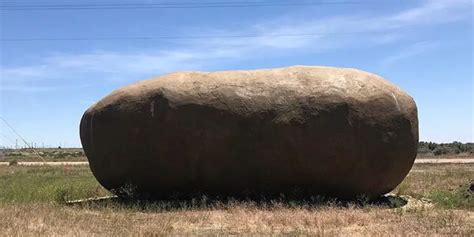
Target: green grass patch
[[457, 199], [48, 184]]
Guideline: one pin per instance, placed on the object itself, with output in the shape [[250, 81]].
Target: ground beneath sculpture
[[32, 202]]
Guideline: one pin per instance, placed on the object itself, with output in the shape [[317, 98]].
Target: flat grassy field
[[42, 154], [77, 154], [33, 202]]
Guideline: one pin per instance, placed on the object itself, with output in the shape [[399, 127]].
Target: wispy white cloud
[[434, 11], [35, 88], [332, 33], [410, 51]]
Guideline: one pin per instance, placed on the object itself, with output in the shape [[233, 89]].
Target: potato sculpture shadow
[[298, 130]]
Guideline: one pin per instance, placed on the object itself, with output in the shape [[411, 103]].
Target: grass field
[[33, 202], [42, 154], [77, 154]]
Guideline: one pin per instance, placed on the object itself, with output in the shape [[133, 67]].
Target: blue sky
[[425, 47]]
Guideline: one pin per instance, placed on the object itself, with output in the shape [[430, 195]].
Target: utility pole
[[16, 143]]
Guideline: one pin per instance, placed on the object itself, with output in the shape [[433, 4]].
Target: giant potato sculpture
[[296, 130]]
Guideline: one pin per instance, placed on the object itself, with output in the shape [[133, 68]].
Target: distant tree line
[[432, 148]]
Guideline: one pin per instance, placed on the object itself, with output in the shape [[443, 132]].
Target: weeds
[[462, 198]]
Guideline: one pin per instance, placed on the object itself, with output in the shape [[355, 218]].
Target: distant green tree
[[432, 145], [441, 150], [423, 150], [445, 148]]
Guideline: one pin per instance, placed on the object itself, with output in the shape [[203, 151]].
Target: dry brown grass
[[242, 217], [426, 178], [41, 219], [446, 156]]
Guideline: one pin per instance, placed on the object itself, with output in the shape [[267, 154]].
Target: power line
[[170, 5], [26, 143], [185, 3], [180, 37], [8, 138], [5, 121], [146, 4]]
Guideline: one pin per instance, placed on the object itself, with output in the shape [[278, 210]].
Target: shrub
[[61, 195], [13, 162], [424, 150], [441, 150]]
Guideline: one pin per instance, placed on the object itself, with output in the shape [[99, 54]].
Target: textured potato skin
[[301, 130]]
